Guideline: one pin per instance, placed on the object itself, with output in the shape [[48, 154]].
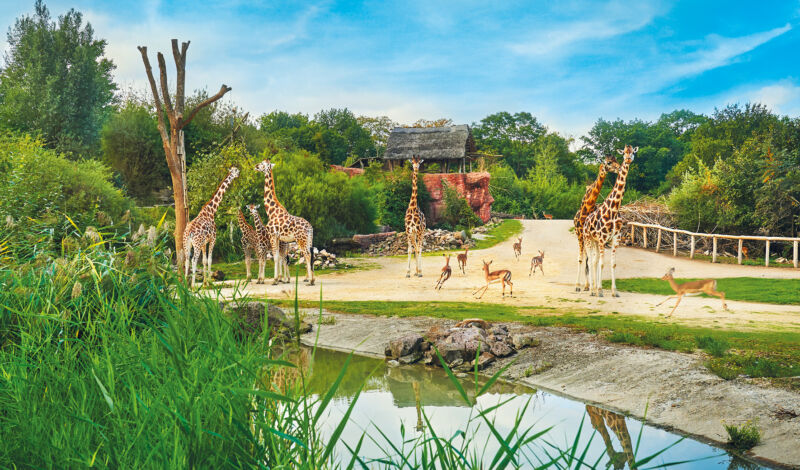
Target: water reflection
[[397, 397]]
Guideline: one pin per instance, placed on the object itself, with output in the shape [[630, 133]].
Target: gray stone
[[393, 363], [485, 360], [524, 340], [410, 358], [501, 349], [405, 345]]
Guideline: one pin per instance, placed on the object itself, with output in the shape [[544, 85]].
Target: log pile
[[435, 240]]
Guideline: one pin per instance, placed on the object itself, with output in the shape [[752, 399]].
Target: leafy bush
[[393, 192], [743, 437], [457, 212], [333, 203], [722, 369], [35, 181]]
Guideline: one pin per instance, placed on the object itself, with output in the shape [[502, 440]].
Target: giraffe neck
[[243, 220], [257, 221], [615, 198], [271, 203], [590, 198], [413, 201], [210, 209]]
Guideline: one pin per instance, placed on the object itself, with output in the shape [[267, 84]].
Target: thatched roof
[[431, 143]]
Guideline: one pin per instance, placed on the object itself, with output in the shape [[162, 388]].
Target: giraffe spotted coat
[[264, 248], [415, 222]]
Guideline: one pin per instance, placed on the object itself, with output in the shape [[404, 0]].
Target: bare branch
[[162, 67], [224, 89], [180, 67], [159, 110]]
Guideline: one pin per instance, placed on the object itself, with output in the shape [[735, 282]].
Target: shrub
[[457, 212], [624, 337], [35, 181], [722, 369], [716, 347], [743, 437], [393, 192]]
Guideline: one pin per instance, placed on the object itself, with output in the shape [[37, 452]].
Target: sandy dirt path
[[674, 389], [555, 290]]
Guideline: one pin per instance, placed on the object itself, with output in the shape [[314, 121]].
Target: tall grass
[[108, 360]]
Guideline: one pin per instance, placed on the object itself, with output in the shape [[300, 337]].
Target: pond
[[387, 411]]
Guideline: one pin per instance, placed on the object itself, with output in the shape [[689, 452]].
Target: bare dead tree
[[172, 138]]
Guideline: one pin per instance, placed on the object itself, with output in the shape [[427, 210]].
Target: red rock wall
[[350, 171], [474, 187]]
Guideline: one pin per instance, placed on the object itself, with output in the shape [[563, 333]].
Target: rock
[[524, 340], [456, 363], [499, 330], [393, 363], [450, 352], [484, 360], [410, 358], [250, 316], [501, 349], [406, 345], [218, 275]]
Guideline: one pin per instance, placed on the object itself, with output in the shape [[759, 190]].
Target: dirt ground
[[678, 392], [554, 289]]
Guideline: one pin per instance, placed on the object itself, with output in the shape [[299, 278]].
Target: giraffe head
[[253, 208], [610, 164], [629, 153], [415, 162], [265, 167], [233, 172]]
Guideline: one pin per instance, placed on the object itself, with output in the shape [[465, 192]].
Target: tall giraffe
[[415, 221], [601, 418], [249, 242], [264, 248], [603, 226], [285, 227], [587, 207], [202, 230]]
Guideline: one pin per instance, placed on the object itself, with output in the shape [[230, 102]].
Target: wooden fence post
[[691, 249], [795, 253], [714, 253], [740, 251], [674, 243], [633, 234], [658, 242], [644, 237], [766, 255]]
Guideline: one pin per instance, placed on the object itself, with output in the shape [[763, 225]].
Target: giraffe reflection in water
[[603, 420]]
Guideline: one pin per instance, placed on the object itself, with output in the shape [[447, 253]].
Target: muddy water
[[399, 398]]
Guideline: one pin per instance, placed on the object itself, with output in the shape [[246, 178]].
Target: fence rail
[[694, 236]]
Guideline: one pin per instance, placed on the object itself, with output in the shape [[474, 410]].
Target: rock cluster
[[322, 259], [435, 240], [249, 317], [460, 346]]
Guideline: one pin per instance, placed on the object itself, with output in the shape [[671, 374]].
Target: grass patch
[[716, 347], [749, 289], [236, 270], [757, 353], [743, 437], [502, 232]]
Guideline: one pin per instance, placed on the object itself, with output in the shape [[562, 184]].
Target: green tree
[[132, 146], [510, 135], [56, 81]]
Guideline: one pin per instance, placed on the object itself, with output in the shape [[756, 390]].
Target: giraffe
[[249, 243], [202, 230], [415, 221], [601, 418], [587, 207], [285, 227], [264, 248], [603, 226]]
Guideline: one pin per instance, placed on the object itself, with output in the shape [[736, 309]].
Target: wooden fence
[[714, 237]]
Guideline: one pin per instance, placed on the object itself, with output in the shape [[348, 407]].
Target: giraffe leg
[[580, 264], [195, 258], [207, 277], [187, 258], [276, 253], [590, 263], [408, 272], [614, 244], [247, 261], [418, 256], [600, 255]]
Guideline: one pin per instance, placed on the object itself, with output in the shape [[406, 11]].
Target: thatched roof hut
[[450, 147]]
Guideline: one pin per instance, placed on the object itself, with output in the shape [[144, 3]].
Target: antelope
[[706, 286], [502, 275], [537, 262], [745, 251], [462, 260], [517, 248], [446, 272], [547, 216]]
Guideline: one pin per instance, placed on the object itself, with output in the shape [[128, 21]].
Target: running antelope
[[517, 248], [547, 216], [502, 275], [536, 262], [446, 272], [705, 286], [462, 260]]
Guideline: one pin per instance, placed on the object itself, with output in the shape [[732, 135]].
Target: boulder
[[524, 340], [500, 349], [484, 360], [410, 358], [404, 346]]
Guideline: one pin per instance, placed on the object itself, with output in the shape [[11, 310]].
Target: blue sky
[[567, 62]]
